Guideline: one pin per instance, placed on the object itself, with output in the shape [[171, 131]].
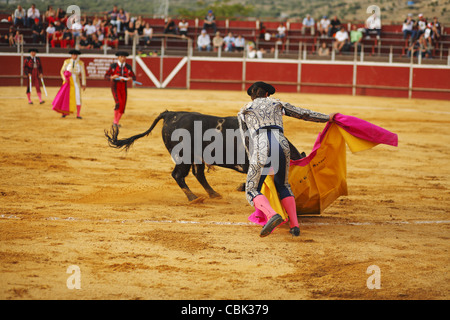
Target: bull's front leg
[[199, 172], [179, 173]]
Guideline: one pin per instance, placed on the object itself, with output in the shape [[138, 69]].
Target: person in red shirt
[[119, 73], [33, 70]]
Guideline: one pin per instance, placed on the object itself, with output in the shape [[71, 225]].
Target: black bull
[[191, 122]]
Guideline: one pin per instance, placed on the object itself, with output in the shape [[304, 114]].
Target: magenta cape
[[320, 178], [61, 103]]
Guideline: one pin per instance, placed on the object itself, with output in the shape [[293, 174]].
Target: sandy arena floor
[[67, 198]]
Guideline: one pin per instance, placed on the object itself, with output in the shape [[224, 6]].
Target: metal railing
[[381, 50]]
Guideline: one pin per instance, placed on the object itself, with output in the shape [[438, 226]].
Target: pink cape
[[61, 103], [356, 127]]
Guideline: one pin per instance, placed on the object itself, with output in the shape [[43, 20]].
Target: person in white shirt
[[281, 31], [308, 23], [408, 27], [427, 36], [50, 31], [89, 29], [373, 25], [252, 52], [76, 29], [32, 14], [147, 34], [324, 26], [19, 16], [204, 41], [183, 26], [341, 39], [421, 25]]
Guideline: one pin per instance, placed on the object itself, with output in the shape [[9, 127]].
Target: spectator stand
[[391, 46]]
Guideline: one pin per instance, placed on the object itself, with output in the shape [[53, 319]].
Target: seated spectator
[[89, 29], [9, 37], [18, 38], [56, 40], [38, 32], [147, 34], [170, 27], [95, 42], [252, 52], [418, 47], [308, 23], [420, 25], [229, 42], [100, 36], [281, 31], [413, 49], [112, 37], [32, 14], [139, 25], [61, 15], [408, 27], [77, 29], [19, 16], [67, 39], [324, 26], [356, 36], [425, 46], [373, 25], [97, 23], [335, 24], [239, 43], [84, 20], [210, 21], [113, 17], [130, 31], [58, 26], [262, 30], [204, 41], [124, 19], [84, 42], [428, 36], [341, 39], [50, 15], [436, 29], [323, 51], [183, 27], [217, 41], [57, 35], [50, 31]]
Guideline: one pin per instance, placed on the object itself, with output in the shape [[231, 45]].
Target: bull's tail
[[127, 143]]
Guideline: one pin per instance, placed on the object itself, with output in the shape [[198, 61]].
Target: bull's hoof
[[215, 195], [197, 200]]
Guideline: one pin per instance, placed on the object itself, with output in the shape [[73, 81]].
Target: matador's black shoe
[[295, 231], [270, 225]]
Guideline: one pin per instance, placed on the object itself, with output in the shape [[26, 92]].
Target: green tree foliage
[[221, 9]]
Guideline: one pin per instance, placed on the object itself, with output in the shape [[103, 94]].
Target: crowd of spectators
[[116, 24], [96, 32]]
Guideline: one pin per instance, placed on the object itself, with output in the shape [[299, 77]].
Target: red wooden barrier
[[366, 79]]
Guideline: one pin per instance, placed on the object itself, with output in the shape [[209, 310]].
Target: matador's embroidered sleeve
[[304, 114]]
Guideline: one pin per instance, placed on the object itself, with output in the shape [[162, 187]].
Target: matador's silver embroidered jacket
[[265, 113], [268, 112]]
